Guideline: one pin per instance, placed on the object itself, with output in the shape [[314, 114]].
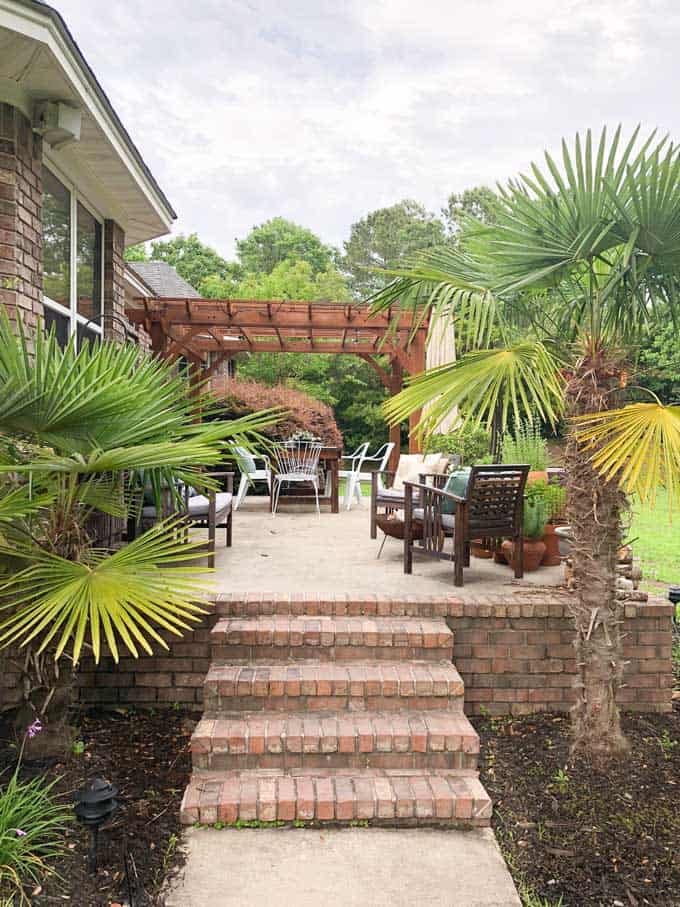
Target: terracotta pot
[[537, 475], [477, 549], [551, 558], [499, 557], [534, 549]]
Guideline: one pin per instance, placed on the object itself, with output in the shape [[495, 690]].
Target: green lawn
[[658, 541]]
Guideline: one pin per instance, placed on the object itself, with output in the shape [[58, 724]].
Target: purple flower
[[34, 728], [19, 833]]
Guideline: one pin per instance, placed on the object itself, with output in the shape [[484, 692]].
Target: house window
[[72, 262]]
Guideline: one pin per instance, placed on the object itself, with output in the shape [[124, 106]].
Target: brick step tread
[[260, 604], [335, 732], [318, 682], [323, 632], [389, 797]]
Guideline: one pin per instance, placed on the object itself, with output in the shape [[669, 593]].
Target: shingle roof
[[163, 279]]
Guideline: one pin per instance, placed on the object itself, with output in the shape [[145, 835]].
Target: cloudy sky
[[322, 111]]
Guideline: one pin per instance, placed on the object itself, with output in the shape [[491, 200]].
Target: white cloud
[[322, 111]]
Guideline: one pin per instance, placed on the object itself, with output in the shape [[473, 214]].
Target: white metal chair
[[381, 457], [251, 472], [351, 475], [297, 463]]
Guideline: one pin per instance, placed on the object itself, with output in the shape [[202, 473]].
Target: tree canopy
[[479, 202], [194, 260], [384, 239], [279, 240]]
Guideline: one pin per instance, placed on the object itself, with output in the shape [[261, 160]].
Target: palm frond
[[20, 502], [637, 446], [443, 283], [104, 396], [145, 456], [128, 597], [513, 384]]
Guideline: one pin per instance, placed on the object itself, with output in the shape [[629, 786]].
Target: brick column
[[114, 281], [20, 217]]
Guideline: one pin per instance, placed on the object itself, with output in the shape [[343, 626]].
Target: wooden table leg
[[335, 486]]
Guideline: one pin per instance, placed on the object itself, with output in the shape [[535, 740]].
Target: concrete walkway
[[298, 552], [355, 867]]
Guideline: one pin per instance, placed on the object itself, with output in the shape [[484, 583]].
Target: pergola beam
[[251, 313], [196, 327]]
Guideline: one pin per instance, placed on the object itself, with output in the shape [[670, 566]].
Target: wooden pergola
[[206, 332]]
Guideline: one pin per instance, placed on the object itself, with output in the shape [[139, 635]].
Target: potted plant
[[535, 518], [555, 496], [527, 445]]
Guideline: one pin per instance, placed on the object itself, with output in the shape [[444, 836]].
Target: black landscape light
[[674, 594], [95, 804]]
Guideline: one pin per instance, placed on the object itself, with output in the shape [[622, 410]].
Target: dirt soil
[[147, 757], [568, 831], [589, 837]]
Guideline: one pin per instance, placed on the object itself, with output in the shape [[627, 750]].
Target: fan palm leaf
[[128, 596], [638, 446], [510, 384]]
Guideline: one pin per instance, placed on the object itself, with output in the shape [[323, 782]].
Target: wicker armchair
[[491, 509]]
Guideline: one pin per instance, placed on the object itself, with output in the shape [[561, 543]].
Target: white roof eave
[[153, 214]]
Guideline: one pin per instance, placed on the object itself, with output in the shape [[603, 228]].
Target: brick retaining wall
[[514, 653], [519, 658]]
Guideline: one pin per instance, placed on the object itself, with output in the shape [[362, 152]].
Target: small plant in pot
[[536, 514], [555, 497], [527, 445]]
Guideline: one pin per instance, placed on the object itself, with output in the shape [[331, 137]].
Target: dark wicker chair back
[[495, 500]]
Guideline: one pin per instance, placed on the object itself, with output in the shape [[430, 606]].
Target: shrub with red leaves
[[303, 413]]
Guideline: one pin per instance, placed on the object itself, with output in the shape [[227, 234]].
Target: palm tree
[[551, 302], [82, 433]]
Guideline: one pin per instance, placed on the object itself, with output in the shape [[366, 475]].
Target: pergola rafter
[[216, 329]]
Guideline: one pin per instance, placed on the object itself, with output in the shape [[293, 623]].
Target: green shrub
[[527, 445], [32, 825], [470, 442]]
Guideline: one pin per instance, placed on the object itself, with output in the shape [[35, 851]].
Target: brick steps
[[228, 605], [267, 638], [434, 739], [380, 797], [334, 711], [316, 686]]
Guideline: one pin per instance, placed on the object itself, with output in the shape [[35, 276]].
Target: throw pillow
[[457, 484], [409, 469]]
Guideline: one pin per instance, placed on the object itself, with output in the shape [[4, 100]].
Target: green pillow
[[457, 483]]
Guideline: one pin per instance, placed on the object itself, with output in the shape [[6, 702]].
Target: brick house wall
[[20, 217], [21, 163], [114, 281]]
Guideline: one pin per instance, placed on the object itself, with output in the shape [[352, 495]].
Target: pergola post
[[396, 384], [417, 360]]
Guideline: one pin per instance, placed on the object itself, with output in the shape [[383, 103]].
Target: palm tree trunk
[[48, 694], [594, 510]]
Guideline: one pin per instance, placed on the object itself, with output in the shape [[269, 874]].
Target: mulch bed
[[147, 757], [589, 837]]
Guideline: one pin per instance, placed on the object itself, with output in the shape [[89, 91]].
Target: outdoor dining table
[[329, 460]]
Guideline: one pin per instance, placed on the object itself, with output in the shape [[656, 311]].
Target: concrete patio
[[298, 552]]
